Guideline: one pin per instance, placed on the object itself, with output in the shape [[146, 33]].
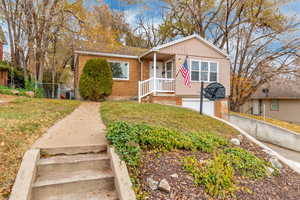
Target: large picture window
[[204, 71], [120, 70]]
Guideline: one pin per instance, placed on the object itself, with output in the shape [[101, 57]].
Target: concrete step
[[72, 183], [164, 95], [73, 150], [65, 164], [93, 195]]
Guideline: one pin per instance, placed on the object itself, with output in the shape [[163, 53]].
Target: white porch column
[[154, 72]]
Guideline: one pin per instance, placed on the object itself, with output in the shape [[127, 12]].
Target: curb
[[267, 149], [122, 179], [22, 187]]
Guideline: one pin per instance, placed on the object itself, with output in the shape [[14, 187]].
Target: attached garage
[[194, 103]]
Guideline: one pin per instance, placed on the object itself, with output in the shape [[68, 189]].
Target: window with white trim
[[204, 71], [169, 69], [120, 70]]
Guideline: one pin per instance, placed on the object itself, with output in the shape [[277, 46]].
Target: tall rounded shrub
[[96, 80]]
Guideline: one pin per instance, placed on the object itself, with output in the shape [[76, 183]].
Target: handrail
[[152, 84]]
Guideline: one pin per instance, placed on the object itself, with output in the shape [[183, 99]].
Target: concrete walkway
[[77, 166], [83, 127]]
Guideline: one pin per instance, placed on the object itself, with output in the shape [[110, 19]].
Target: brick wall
[[1, 51], [121, 88], [3, 78]]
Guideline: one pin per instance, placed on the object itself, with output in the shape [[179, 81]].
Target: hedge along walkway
[[83, 127]]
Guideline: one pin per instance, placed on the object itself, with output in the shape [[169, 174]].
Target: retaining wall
[[267, 132]]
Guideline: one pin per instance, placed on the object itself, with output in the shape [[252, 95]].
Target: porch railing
[[152, 84], [165, 85]]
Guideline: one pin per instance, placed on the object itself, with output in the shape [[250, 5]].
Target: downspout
[[76, 81], [141, 62], [141, 78]]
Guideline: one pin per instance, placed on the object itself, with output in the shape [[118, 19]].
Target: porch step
[[164, 95]]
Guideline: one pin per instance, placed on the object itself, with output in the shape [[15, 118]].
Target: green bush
[[96, 80], [246, 163], [216, 175]]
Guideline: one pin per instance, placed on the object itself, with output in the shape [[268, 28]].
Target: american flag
[[184, 69]]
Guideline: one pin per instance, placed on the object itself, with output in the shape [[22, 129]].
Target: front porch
[[157, 75]]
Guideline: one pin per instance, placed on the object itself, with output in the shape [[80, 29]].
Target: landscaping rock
[[235, 141], [164, 185], [15, 92], [29, 94], [268, 151], [275, 163], [240, 137], [270, 171], [174, 175], [152, 183]]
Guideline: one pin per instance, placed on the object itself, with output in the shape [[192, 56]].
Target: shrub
[[246, 163], [96, 80], [217, 175]]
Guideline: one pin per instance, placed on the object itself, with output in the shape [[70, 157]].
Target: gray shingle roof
[[106, 48], [280, 88]]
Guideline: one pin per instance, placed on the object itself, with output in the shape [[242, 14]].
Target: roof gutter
[[105, 54]]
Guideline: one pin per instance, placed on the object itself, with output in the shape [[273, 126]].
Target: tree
[[260, 40], [96, 80]]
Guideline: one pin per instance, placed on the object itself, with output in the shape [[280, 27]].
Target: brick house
[[149, 75], [3, 72]]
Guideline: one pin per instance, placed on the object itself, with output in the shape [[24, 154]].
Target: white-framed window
[[275, 105], [169, 69], [120, 70], [206, 71]]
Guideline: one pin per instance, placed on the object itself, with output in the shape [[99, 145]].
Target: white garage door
[[194, 103]]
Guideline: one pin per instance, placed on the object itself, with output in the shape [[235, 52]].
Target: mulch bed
[[285, 186]]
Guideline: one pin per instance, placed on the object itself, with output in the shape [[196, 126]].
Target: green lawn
[[22, 122], [166, 116]]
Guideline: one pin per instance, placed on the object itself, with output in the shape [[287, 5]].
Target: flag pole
[[201, 97]]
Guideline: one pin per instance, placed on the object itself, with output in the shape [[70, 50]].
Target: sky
[[154, 10]]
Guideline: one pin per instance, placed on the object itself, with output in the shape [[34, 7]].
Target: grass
[[165, 116], [21, 123], [283, 124]]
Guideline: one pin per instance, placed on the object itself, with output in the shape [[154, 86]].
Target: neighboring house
[[278, 99], [3, 72], [150, 75]]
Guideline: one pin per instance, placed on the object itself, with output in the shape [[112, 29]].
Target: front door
[[159, 70]]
